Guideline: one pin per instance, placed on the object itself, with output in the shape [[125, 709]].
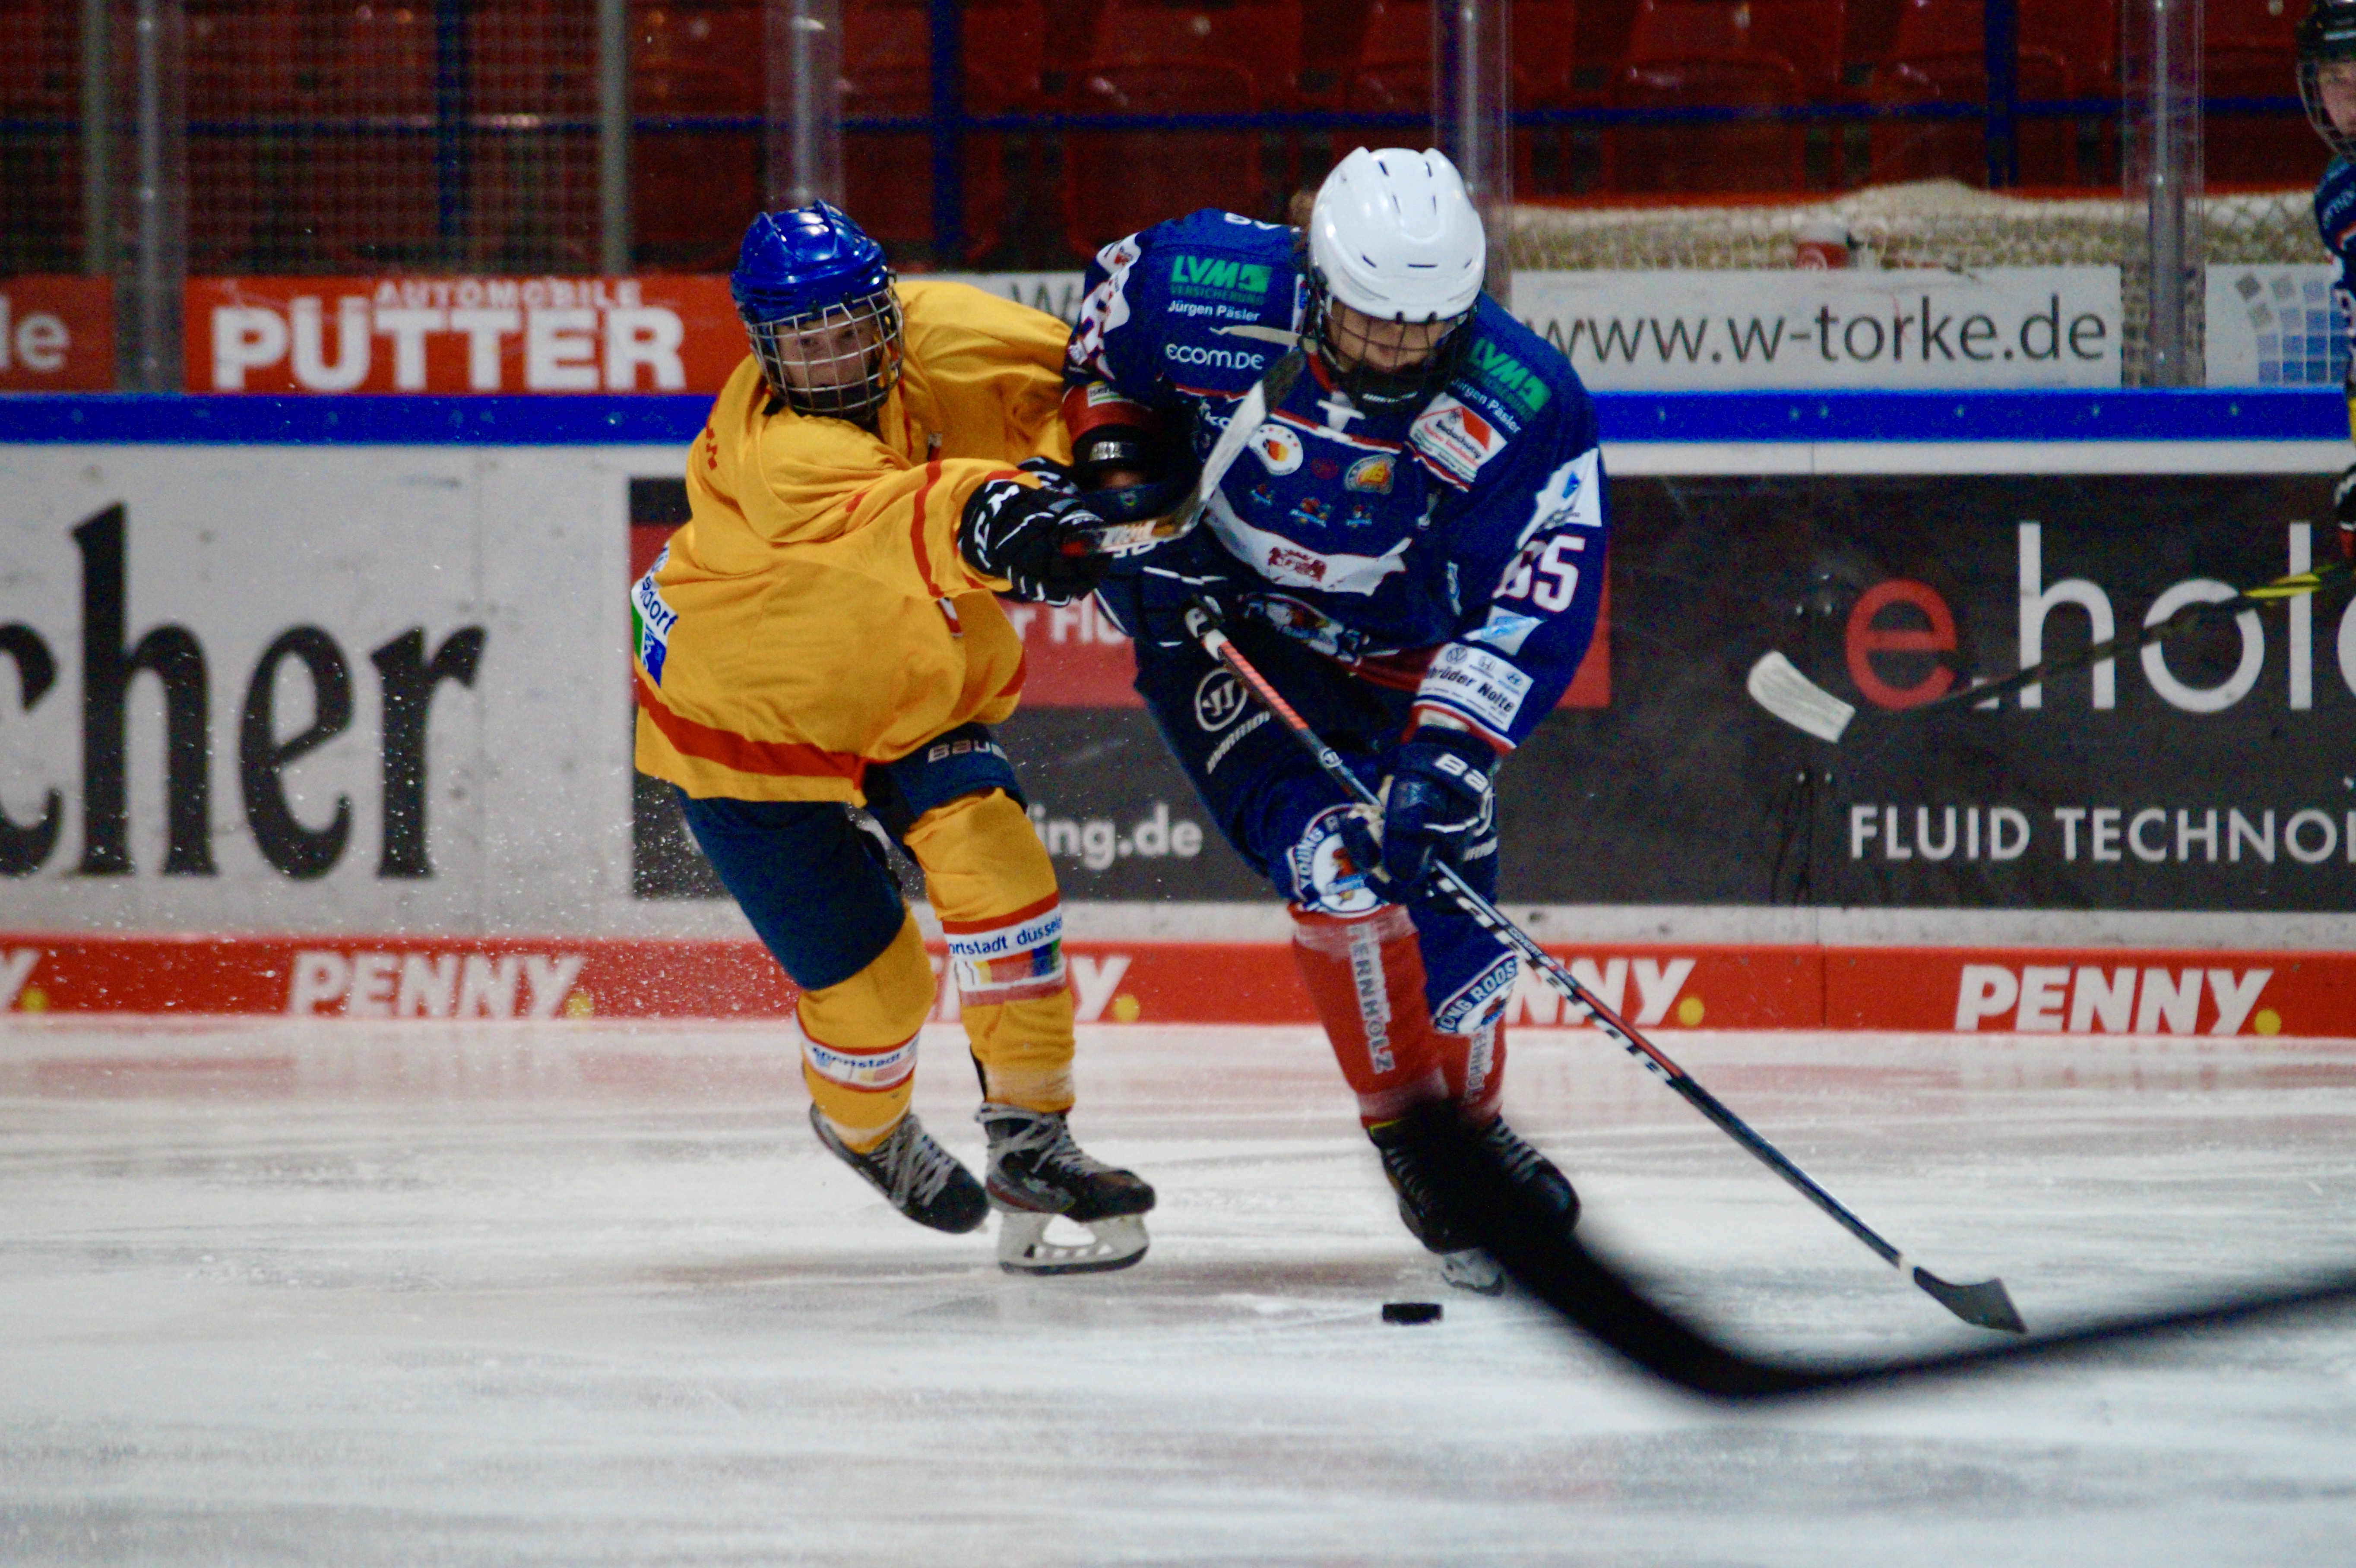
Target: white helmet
[[1393, 236]]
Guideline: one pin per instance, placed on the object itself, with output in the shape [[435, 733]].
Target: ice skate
[[1538, 1177], [1461, 1263], [916, 1175], [1036, 1173]]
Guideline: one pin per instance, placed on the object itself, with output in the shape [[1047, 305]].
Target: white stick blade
[[1776, 684]]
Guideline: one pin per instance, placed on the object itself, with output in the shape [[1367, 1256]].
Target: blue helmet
[[816, 297]]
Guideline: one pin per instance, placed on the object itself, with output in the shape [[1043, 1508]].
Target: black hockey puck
[[1410, 1312]]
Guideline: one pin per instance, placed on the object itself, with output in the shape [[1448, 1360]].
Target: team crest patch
[[1279, 448], [1371, 475], [1324, 877], [1454, 441]]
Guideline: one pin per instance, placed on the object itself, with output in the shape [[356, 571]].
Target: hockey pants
[[813, 878], [1411, 994]]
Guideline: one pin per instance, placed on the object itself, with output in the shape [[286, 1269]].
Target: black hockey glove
[[1014, 531], [1166, 592], [1439, 804], [1051, 474], [2343, 510]]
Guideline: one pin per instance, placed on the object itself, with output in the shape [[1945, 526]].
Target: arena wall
[[320, 705]]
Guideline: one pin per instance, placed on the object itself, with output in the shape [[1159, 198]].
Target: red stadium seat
[[887, 72], [1392, 75], [1333, 34], [1152, 58], [707, 59], [1939, 56], [40, 171], [2249, 54], [694, 189], [1808, 32], [1684, 54]]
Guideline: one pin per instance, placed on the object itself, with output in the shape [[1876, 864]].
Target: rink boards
[[320, 705], [1664, 987]]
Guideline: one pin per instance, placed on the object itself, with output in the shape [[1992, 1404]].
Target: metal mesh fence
[[378, 136], [41, 151]]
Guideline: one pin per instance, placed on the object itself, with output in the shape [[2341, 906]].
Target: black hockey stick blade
[[1985, 1305], [1476, 1192]]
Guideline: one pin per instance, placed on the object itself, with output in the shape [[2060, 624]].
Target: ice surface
[[582, 1294]]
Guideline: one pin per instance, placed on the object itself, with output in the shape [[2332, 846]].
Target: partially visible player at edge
[[1411, 548], [2326, 85], [819, 655]]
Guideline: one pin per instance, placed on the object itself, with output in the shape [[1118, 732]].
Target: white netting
[[1932, 223]]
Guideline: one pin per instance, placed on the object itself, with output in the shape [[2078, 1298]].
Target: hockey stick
[[1776, 684], [1985, 1304], [1123, 539], [1481, 1197]]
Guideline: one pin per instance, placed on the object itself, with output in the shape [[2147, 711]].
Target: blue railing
[[2171, 416]]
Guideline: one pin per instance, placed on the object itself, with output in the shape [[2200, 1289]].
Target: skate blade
[[1473, 1270], [1024, 1247]]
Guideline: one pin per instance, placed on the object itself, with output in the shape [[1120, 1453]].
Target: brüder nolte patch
[[1453, 441]]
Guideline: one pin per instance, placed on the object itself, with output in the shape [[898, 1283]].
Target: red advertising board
[[56, 334], [1663, 988], [651, 333]]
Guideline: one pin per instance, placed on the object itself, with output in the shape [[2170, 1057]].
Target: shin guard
[[1475, 1066], [1364, 975], [858, 1041], [994, 889]]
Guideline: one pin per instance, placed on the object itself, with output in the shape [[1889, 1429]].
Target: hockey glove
[[1165, 593], [2343, 510], [1014, 531], [1438, 804], [1051, 474]]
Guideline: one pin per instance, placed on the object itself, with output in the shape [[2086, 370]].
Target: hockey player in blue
[[2326, 85], [1411, 547], [2329, 90]]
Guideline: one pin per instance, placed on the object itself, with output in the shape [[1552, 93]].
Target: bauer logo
[[1219, 700]]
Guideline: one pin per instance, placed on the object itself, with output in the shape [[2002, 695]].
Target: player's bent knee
[[980, 850], [885, 1002]]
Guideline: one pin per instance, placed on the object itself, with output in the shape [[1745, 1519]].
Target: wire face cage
[[840, 362]]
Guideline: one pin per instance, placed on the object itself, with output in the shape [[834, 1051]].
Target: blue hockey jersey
[[1457, 548], [2334, 220]]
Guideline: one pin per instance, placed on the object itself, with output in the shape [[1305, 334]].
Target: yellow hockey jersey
[[813, 615]]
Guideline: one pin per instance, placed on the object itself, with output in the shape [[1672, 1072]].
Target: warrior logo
[[1218, 699]]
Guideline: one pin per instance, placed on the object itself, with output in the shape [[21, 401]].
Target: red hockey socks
[[1365, 976], [1475, 1066]]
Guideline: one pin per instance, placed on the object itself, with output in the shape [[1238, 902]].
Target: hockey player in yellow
[[819, 655]]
